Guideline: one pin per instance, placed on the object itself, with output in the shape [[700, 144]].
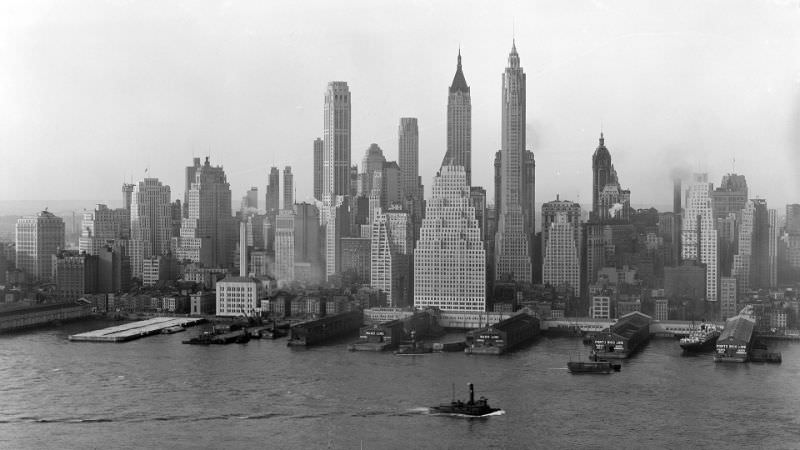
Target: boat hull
[[598, 367]]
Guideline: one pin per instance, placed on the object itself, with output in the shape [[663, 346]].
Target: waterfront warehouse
[[378, 337], [624, 337], [736, 339], [320, 330], [503, 336]]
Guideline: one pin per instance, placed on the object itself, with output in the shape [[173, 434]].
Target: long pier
[[134, 330], [474, 320]]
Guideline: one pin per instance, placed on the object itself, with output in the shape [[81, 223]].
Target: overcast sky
[[93, 93]]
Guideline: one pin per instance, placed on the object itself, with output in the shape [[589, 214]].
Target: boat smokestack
[[471, 394]]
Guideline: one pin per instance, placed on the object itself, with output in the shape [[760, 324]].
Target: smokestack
[[242, 249], [676, 199]]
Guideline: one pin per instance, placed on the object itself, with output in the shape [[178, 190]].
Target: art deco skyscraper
[[698, 234], [459, 124], [208, 234], [273, 191], [336, 157], [319, 149], [512, 257], [151, 217], [391, 250], [450, 260], [288, 188], [408, 155], [561, 244]]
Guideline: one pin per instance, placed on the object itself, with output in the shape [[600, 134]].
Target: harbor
[[135, 330]]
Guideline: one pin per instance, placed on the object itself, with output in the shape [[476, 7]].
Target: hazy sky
[[93, 93]]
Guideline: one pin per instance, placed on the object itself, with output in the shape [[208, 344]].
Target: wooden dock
[[135, 330]]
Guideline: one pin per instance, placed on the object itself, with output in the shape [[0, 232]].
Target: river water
[[157, 393]]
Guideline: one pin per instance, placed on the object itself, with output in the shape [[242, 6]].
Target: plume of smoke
[[616, 208]]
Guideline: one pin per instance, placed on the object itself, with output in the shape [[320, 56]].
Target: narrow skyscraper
[[273, 191], [459, 124], [512, 257], [336, 157], [288, 188], [319, 149]]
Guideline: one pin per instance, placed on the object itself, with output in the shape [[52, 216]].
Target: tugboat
[[471, 408], [701, 339]]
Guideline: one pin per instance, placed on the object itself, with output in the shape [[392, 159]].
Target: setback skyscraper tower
[[459, 124], [512, 257], [336, 157]]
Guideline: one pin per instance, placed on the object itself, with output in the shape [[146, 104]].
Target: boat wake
[[468, 416], [419, 410]]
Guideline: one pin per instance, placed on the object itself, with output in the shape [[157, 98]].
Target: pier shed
[[624, 337], [503, 336], [736, 340]]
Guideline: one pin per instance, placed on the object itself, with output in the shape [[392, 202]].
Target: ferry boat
[[473, 408], [701, 339]]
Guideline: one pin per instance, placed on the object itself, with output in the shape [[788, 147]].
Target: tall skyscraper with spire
[[336, 157], [459, 124], [512, 257], [273, 191]]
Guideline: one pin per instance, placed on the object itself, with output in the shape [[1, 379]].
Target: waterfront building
[[238, 296], [660, 309], [273, 192], [391, 248], [74, 274], [512, 250], [698, 233], [288, 188], [38, 238], [336, 157], [208, 232], [202, 303], [601, 307], [319, 149], [449, 259], [459, 124]]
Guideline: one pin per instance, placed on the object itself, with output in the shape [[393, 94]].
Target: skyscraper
[[408, 155], [100, 226], [208, 234], [512, 250], [450, 260], [38, 238], [273, 192], [391, 250], [609, 201], [288, 188], [698, 235], [459, 124], [561, 244], [151, 218], [730, 196], [336, 157], [319, 149]]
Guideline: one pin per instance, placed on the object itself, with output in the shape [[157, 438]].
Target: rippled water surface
[[158, 393]]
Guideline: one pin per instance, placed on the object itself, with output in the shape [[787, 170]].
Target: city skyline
[[672, 91]]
